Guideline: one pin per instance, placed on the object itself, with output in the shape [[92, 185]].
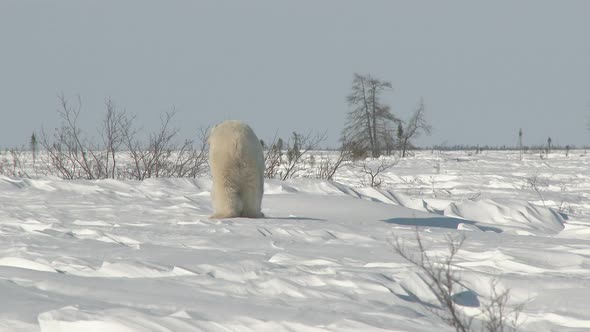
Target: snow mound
[[514, 216], [509, 215], [308, 186], [24, 263]]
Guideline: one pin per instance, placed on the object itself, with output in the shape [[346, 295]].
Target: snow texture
[[144, 256]]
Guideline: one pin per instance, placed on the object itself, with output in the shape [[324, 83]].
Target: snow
[[113, 255]]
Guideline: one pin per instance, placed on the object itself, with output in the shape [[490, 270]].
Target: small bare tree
[[413, 129], [34, 145], [367, 114], [520, 143]]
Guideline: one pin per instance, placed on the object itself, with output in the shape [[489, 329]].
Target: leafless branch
[[328, 167], [297, 148], [444, 282], [372, 169], [413, 129]]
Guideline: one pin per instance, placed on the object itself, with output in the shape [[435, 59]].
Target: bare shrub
[[413, 129], [273, 158], [498, 316], [538, 185], [18, 163], [162, 157], [286, 162], [72, 155], [147, 160], [327, 167], [114, 127], [297, 148], [192, 159], [12, 163], [69, 152], [443, 280], [371, 170]]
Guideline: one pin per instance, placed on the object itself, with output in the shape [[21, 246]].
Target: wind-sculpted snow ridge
[[499, 215], [513, 216], [145, 256]]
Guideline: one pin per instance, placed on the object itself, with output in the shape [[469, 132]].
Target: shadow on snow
[[439, 222]]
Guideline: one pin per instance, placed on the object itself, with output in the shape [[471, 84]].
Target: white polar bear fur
[[237, 167]]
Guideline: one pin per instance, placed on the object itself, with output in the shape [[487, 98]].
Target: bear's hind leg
[[252, 198], [227, 204]]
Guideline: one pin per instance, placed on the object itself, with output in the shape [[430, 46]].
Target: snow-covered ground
[[114, 255]]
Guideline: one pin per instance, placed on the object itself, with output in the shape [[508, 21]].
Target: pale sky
[[484, 68]]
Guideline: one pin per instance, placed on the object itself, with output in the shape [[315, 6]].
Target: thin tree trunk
[[368, 114]]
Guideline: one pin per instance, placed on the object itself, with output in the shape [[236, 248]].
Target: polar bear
[[237, 167]]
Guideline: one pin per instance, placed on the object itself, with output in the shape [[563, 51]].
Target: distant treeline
[[501, 148], [461, 147]]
